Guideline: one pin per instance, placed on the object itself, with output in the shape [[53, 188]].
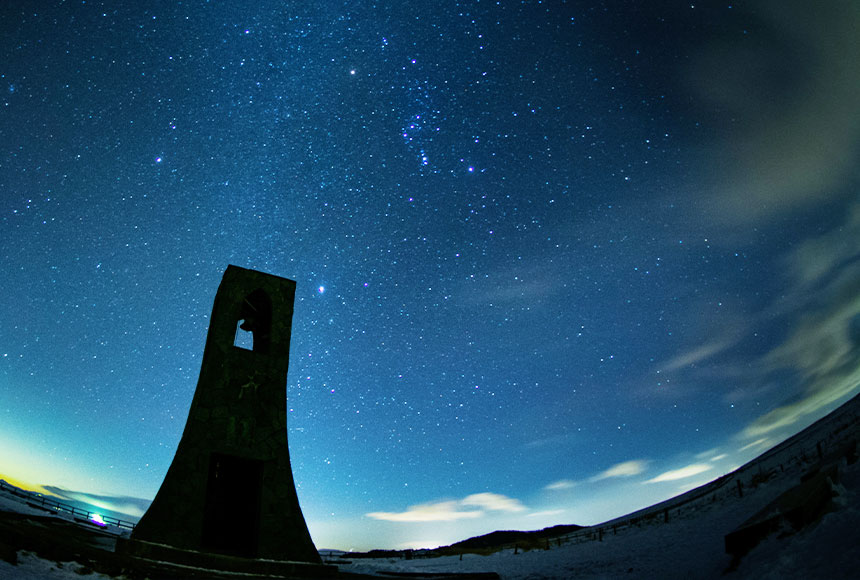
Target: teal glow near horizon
[[554, 261]]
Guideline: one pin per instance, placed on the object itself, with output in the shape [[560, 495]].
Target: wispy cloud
[[442, 511], [682, 473], [554, 441], [560, 485], [816, 364], [513, 283], [470, 507], [493, 502], [699, 353], [823, 348], [757, 443], [711, 455], [787, 149], [811, 405], [816, 258], [545, 513], [625, 469]]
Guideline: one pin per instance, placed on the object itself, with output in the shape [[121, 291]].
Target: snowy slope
[[691, 544], [688, 546]]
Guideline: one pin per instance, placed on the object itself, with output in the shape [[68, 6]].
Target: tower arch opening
[[255, 319]]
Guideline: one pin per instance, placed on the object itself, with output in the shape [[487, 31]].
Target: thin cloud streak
[[625, 469], [493, 502], [560, 485], [473, 506], [698, 354], [545, 513], [682, 473]]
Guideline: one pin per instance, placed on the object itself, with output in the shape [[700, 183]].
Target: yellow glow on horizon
[[35, 467], [23, 463], [26, 485]]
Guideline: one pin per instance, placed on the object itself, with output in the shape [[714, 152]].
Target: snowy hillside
[[685, 537]]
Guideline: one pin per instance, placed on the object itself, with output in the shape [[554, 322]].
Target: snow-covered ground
[[691, 544], [31, 567], [688, 546], [11, 503]]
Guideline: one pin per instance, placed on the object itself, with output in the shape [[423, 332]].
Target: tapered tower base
[[230, 489]]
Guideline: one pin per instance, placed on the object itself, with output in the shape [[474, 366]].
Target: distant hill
[[508, 537]]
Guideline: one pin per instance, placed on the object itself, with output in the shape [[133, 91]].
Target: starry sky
[[556, 260]]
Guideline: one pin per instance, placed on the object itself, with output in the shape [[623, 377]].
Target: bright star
[[321, 289]]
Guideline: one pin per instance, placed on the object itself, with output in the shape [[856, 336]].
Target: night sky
[[555, 260]]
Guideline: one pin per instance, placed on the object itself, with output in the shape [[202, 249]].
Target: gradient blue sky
[[555, 260]]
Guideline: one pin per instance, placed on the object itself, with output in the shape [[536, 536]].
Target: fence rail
[[40, 501]]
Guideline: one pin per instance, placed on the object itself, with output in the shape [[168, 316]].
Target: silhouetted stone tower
[[230, 487]]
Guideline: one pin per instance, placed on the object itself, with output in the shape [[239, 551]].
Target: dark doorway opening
[[231, 520]]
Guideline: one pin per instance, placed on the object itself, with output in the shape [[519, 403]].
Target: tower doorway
[[231, 517]]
